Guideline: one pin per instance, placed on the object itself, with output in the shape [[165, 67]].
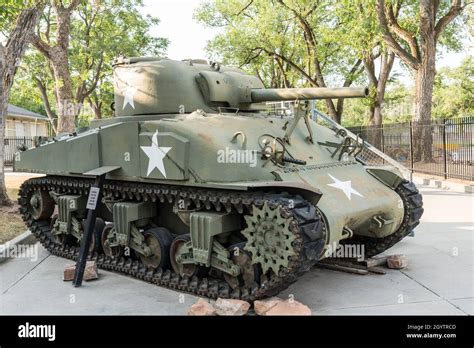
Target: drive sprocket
[[269, 237]]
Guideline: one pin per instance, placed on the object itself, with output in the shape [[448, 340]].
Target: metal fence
[[11, 147], [451, 145]]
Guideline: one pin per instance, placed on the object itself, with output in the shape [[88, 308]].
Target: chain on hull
[[306, 224]]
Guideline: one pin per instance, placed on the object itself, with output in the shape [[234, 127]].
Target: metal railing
[[449, 145], [11, 147]]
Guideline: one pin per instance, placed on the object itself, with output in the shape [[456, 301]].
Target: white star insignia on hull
[[344, 186], [155, 155]]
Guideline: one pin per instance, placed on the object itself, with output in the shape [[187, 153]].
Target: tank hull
[[201, 152]]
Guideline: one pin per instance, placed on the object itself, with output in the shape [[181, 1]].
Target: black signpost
[[95, 195]]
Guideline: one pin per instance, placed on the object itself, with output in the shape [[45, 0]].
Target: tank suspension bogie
[[109, 243], [67, 227]]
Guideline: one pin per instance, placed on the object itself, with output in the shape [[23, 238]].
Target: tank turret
[[156, 86]]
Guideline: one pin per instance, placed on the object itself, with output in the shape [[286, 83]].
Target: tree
[[58, 55], [24, 92], [362, 34], [102, 97], [78, 41], [286, 42], [414, 39], [453, 91], [243, 45], [10, 56], [34, 86], [100, 34]]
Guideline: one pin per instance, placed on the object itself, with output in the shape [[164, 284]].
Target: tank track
[[307, 224], [413, 203]]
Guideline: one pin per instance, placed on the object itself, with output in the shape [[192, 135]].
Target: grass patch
[[11, 225], [13, 194]]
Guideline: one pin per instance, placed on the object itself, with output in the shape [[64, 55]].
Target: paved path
[[438, 280]]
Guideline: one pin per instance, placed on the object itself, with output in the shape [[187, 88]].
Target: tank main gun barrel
[[280, 94]]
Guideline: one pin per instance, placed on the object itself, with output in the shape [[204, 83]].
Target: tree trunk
[[5, 85], [96, 106], [375, 123], [67, 107], [376, 117], [380, 84], [47, 106], [4, 199], [332, 112], [10, 56], [425, 75]]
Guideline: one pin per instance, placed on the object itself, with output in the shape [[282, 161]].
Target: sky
[[188, 38]]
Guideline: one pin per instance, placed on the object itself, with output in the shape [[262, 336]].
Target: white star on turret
[[155, 155], [128, 94], [344, 186]]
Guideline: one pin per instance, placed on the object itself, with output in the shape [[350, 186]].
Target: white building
[[24, 123]]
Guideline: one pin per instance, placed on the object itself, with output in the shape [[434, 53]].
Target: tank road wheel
[[159, 240], [40, 205], [96, 242], [269, 238], [249, 273], [188, 269], [111, 251]]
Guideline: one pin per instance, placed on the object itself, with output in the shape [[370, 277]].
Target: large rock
[[231, 307], [69, 272], [397, 261], [90, 272], [202, 307], [289, 307], [263, 306]]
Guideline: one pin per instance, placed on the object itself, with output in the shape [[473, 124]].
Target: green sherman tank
[[206, 191]]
